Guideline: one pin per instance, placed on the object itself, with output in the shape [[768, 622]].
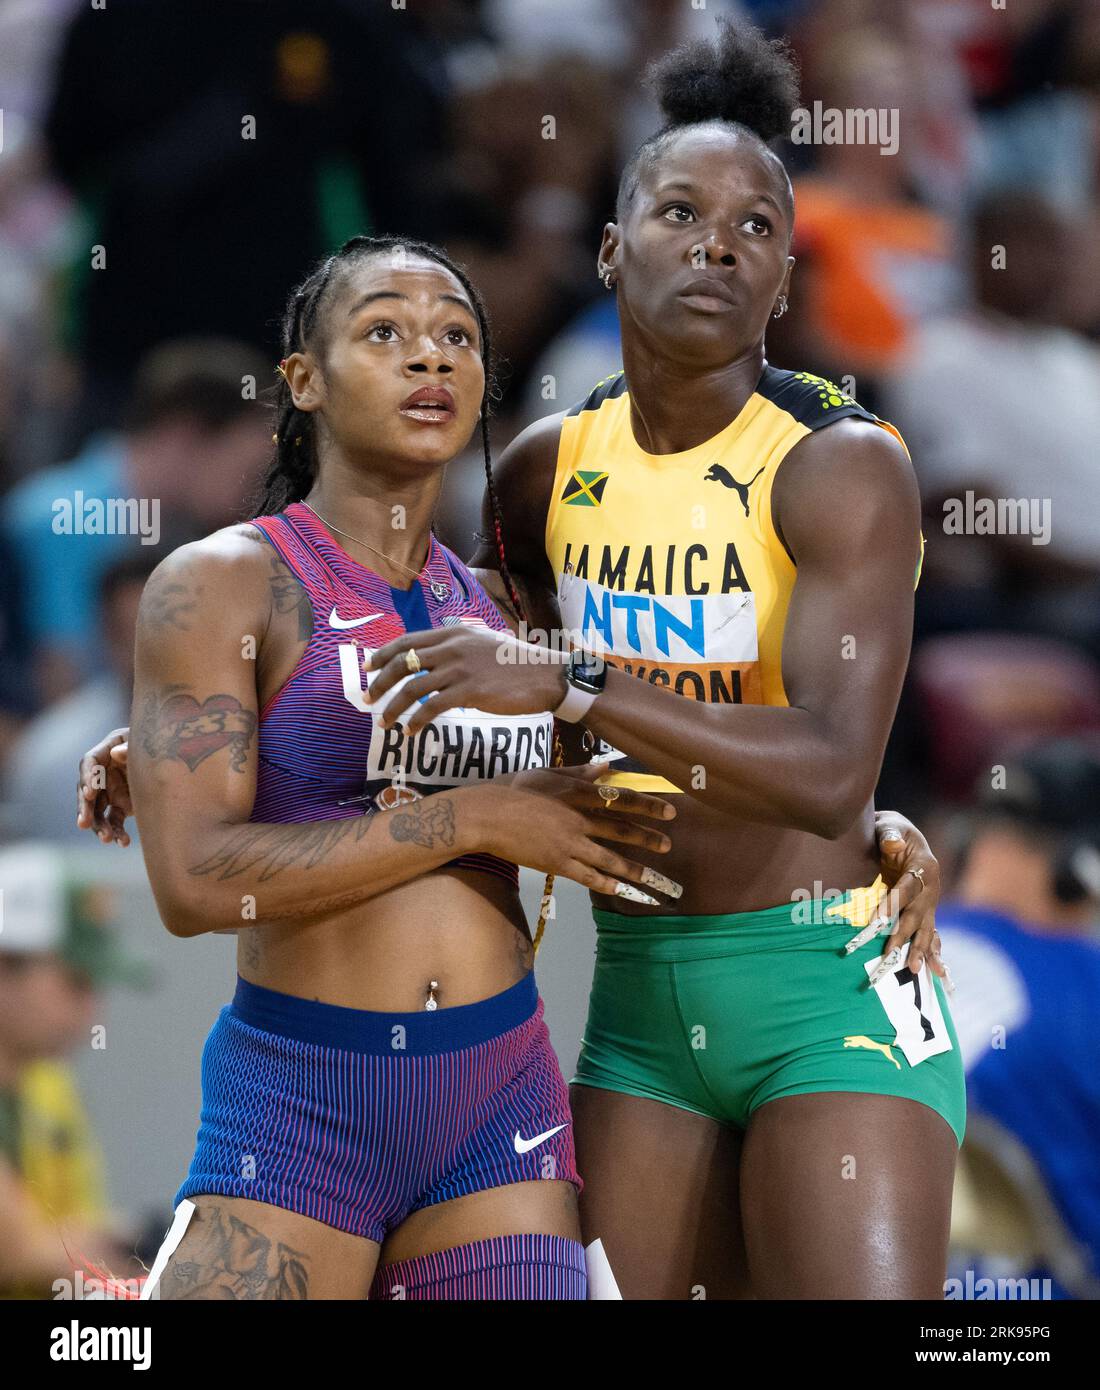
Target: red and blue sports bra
[[321, 754]]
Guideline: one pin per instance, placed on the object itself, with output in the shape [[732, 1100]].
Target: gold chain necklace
[[439, 590]]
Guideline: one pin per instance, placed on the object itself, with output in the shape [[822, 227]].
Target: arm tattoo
[[289, 595], [168, 603], [272, 848], [229, 1259], [525, 952], [429, 822], [177, 726], [249, 943]]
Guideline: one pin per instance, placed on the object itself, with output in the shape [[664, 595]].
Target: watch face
[[588, 670]]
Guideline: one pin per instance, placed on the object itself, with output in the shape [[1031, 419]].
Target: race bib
[[913, 1007]]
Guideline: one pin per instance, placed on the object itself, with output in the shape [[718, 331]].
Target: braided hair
[[741, 78], [293, 467]]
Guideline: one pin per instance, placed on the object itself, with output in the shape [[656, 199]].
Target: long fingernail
[[948, 982], [653, 879], [869, 932], [889, 836], [635, 895], [885, 967]]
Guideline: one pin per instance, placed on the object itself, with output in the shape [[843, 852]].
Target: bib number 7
[[913, 1008]]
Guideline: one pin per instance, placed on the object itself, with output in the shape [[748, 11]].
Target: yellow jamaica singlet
[[669, 565]]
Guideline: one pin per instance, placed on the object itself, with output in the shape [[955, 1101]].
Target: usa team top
[[322, 755]]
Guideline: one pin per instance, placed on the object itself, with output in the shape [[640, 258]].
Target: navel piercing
[[430, 1003]]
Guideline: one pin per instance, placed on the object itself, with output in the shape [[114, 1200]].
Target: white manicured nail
[[652, 879], [869, 932], [885, 967], [635, 895]]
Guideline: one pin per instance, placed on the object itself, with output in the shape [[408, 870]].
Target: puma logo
[[717, 474], [860, 1041]]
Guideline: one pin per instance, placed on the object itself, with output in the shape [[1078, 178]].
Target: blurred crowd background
[[148, 239]]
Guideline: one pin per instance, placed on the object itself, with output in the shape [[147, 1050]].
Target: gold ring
[[412, 661], [609, 794]]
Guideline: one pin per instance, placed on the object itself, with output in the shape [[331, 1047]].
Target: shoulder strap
[[813, 401], [296, 551], [606, 390]]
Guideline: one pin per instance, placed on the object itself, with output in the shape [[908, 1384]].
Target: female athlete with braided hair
[[383, 1080]]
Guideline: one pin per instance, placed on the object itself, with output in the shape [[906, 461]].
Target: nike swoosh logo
[[334, 620], [526, 1145]]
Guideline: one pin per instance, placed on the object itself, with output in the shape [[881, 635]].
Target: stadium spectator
[[56, 954], [34, 226], [218, 147], [16, 697], [38, 776], [873, 263], [191, 445], [1003, 402], [1019, 936]]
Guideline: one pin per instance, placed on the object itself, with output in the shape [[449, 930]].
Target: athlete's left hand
[[103, 789], [912, 874], [461, 665]]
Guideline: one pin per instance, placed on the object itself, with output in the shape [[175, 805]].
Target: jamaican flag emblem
[[584, 489]]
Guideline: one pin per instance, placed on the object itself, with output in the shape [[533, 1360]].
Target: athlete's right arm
[[192, 766]]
